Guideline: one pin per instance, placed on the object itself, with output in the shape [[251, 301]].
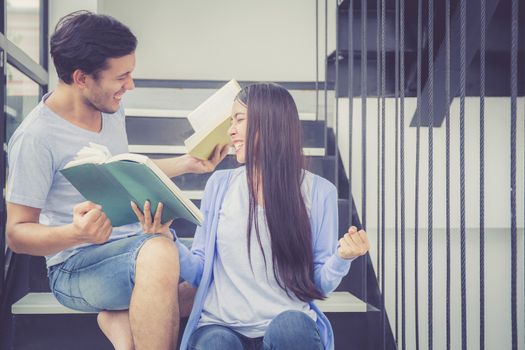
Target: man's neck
[[69, 105]]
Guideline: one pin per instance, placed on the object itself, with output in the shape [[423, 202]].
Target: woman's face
[[237, 130]]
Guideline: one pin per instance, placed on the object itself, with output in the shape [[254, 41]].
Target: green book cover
[[117, 182]]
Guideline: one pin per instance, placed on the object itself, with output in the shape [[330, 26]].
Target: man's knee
[[159, 256]]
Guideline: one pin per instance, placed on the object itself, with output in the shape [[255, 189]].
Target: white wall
[[497, 216], [268, 40], [217, 40], [497, 161]]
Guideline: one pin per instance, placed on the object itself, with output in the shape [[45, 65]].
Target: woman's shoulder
[[221, 176], [315, 189], [317, 183]]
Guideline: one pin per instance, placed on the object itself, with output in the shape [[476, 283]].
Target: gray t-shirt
[[41, 146]]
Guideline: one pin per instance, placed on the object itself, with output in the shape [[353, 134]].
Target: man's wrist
[[69, 234]]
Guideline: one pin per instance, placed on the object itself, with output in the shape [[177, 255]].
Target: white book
[[211, 121]]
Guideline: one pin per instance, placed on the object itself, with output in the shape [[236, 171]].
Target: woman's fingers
[[147, 214], [158, 214], [137, 212], [151, 224], [353, 244]]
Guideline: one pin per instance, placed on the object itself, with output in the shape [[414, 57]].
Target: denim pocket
[[60, 283], [74, 303]]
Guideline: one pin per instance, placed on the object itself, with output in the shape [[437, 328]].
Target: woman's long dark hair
[[274, 157]]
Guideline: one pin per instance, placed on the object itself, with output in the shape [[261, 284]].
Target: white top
[[240, 298]]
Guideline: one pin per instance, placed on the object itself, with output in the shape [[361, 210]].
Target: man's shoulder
[[34, 125]]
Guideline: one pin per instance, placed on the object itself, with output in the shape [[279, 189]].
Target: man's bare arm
[[187, 164], [26, 235]]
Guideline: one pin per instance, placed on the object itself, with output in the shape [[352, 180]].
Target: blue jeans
[[289, 330], [99, 277]]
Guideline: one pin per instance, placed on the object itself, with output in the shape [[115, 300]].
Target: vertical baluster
[[430, 30], [513, 228]]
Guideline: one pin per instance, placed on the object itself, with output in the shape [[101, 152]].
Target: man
[[92, 266]]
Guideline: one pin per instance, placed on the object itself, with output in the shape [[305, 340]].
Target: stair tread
[[45, 303], [180, 149], [183, 113]]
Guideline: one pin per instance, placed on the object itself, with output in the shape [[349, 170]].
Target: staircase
[[33, 319]]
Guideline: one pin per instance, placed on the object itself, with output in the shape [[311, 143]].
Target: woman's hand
[[353, 244], [145, 219]]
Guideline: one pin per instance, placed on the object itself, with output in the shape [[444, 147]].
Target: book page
[[217, 107], [94, 153], [132, 157]]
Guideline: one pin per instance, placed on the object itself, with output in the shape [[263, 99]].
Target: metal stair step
[[170, 130], [45, 303]]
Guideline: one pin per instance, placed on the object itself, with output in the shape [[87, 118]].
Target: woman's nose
[[232, 130]]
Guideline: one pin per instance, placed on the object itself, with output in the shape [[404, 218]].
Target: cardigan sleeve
[[329, 267], [192, 261]]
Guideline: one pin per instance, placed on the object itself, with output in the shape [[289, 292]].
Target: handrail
[[215, 84]]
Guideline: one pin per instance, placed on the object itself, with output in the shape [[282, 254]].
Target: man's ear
[[79, 78]]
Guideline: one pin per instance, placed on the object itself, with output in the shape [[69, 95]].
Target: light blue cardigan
[[197, 264]]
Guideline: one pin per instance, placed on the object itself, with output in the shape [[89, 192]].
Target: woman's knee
[[292, 330], [214, 337], [294, 320]]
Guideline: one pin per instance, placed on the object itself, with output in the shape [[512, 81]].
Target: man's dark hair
[[84, 40]]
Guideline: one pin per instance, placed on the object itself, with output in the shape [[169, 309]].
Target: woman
[[268, 246]]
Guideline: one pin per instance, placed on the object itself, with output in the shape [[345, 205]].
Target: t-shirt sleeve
[[30, 171]]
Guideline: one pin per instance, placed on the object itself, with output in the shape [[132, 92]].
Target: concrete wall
[[249, 40]]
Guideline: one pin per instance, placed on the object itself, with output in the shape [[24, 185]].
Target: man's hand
[[199, 166], [90, 223], [353, 244], [152, 226]]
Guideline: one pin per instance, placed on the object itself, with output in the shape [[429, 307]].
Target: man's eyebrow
[[124, 74]]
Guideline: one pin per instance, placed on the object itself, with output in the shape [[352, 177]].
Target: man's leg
[[186, 296], [117, 328], [154, 308], [104, 277]]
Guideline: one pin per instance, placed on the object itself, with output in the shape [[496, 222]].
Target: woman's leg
[[215, 337], [292, 330]]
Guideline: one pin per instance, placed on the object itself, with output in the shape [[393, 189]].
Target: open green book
[[211, 121], [113, 182]]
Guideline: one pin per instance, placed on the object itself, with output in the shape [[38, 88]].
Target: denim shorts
[[99, 277]]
